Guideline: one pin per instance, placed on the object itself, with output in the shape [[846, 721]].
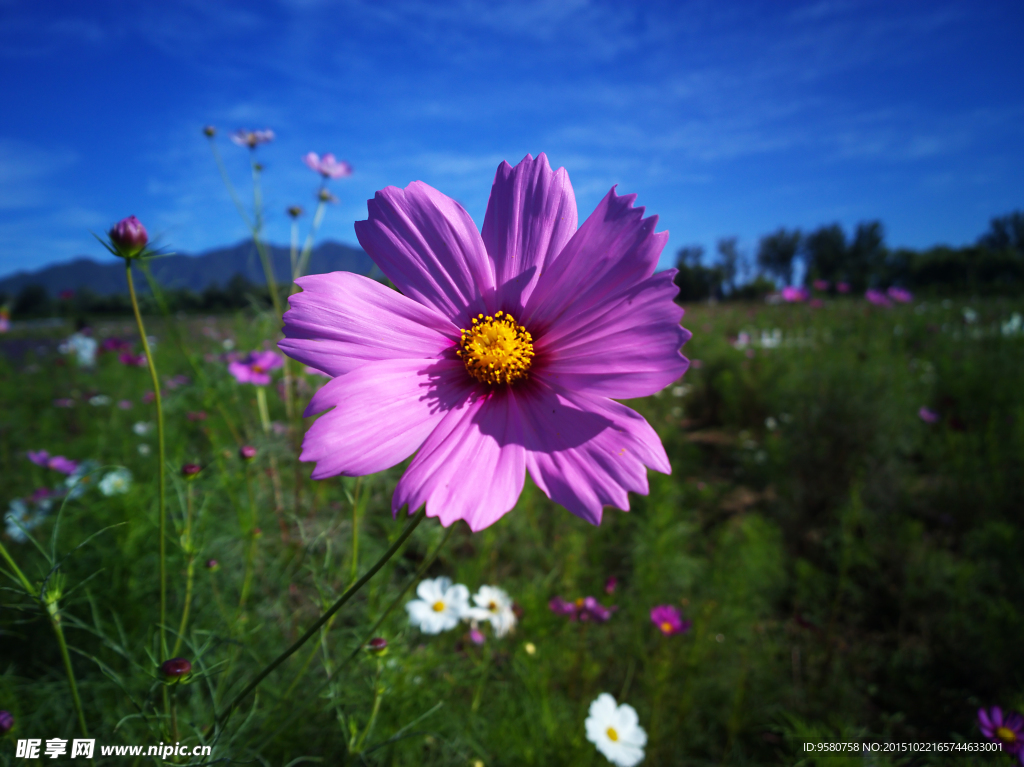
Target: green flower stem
[[413, 524], [54, 614], [307, 248], [355, 530], [190, 571], [378, 696], [298, 710], [162, 458], [261, 403]]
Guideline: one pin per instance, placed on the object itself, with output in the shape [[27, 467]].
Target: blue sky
[[724, 118]]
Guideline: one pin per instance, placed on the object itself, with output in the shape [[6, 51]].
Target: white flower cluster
[[442, 605]]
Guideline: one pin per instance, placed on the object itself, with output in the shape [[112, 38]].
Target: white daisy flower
[[494, 606], [440, 606], [142, 428], [116, 482], [616, 731]]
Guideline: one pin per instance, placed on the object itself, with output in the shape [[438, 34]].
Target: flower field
[[835, 558]]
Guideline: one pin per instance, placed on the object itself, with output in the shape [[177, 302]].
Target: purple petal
[[615, 248], [471, 467], [985, 721], [531, 215], [997, 716], [38, 457], [341, 321], [429, 247], [312, 160], [241, 372], [382, 413], [588, 452], [629, 347]]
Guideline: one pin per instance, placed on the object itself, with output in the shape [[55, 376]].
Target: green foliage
[[851, 572]]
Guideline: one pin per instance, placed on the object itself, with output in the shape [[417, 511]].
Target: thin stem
[[228, 184], [189, 573], [355, 530], [162, 458], [413, 523], [307, 248], [17, 570], [54, 612], [261, 403]]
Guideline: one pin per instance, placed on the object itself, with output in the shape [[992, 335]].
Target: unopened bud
[[212, 565], [129, 237], [295, 211], [209, 131], [175, 669], [6, 722], [190, 470], [246, 452], [377, 646]]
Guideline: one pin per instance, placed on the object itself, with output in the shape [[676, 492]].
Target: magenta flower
[[668, 620], [821, 285], [610, 585], [1008, 730], [843, 287], [38, 457], [560, 607], [793, 295], [928, 415], [132, 360], [62, 464], [129, 237], [114, 344], [500, 352], [327, 166], [256, 367], [900, 295], [251, 138], [877, 297], [126, 404], [583, 609]]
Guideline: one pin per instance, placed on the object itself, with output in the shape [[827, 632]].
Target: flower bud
[[190, 470], [294, 211], [209, 131], [129, 237], [175, 669], [246, 452], [6, 722], [212, 565], [325, 196], [377, 646]]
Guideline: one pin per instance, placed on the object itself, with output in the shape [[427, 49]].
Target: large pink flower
[[500, 352]]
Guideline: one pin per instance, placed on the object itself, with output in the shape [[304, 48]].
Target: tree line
[[860, 260]]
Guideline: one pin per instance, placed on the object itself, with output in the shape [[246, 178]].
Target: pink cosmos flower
[[877, 298], [793, 295], [114, 344], [132, 360], [928, 415], [900, 295], [584, 609], [1007, 729], [668, 620], [821, 285], [38, 457], [327, 166], [843, 287], [610, 585], [62, 464], [251, 138], [255, 367], [500, 352]]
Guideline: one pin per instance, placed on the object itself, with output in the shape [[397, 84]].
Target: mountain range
[[195, 272]]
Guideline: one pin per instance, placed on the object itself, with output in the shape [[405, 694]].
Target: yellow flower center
[[1006, 735], [492, 606], [666, 627], [496, 350], [257, 369], [439, 606], [612, 735]]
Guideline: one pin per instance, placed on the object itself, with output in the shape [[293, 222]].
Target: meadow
[[841, 531]]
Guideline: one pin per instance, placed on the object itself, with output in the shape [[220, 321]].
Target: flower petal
[[429, 247], [531, 215], [588, 452], [627, 348], [382, 412], [471, 467], [341, 321], [615, 248]]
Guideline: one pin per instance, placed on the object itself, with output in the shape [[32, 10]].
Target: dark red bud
[[176, 668], [189, 470]]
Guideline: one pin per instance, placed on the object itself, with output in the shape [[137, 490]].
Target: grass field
[[852, 571]]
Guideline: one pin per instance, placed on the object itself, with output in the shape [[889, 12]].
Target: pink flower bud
[[190, 470], [377, 646], [247, 452], [129, 237], [175, 669]]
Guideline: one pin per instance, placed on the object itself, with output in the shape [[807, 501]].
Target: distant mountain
[[185, 271]]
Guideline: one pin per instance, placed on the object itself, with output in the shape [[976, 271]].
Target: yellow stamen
[[666, 627], [438, 606], [1006, 735], [496, 350], [612, 735], [492, 606]]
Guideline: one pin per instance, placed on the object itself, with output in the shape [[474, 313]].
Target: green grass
[[852, 573]]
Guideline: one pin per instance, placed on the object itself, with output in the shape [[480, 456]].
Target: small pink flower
[[126, 404], [115, 344], [821, 285], [877, 297], [149, 397], [175, 381], [62, 464], [38, 457], [327, 166], [199, 415], [476, 636], [132, 360], [252, 138], [64, 402], [900, 295], [128, 237], [794, 295], [256, 367], [668, 620], [843, 287], [610, 585], [928, 415]]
